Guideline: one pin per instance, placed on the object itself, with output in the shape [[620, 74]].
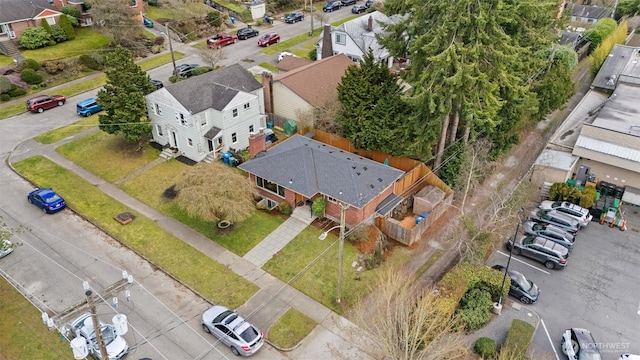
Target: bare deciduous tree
[[212, 57], [405, 322], [215, 192], [115, 19]]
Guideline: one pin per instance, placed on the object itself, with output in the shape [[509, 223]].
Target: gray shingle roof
[[590, 12], [309, 167], [365, 39], [213, 90], [16, 10]]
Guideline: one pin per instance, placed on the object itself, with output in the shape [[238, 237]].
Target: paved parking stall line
[[525, 263], [549, 337]]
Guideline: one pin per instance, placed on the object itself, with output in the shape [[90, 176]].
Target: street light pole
[[168, 36], [506, 270], [311, 31]]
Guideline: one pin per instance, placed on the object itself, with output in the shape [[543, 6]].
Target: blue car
[[47, 200], [147, 23]]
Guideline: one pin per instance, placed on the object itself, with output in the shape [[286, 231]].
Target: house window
[[330, 199], [183, 121], [3, 28], [157, 109], [159, 130], [235, 112], [269, 186], [234, 137], [246, 106], [203, 121], [51, 20], [341, 39], [250, 128], [220, 141], [190, 142], [134, 3]]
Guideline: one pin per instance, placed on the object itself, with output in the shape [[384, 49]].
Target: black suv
[[552, 255], [294, 17], [185, 70], [348, 2], [331, 6], [245, 33]]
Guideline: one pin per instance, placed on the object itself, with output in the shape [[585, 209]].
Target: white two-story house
[[354, 38], [206, 115]]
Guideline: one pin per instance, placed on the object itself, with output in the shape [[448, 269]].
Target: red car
[[222, 39], [44, 102], [268, 39]]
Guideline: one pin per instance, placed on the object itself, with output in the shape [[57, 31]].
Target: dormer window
[[341, 39]]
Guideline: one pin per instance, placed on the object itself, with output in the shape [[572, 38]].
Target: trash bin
[[233, 20], [225, 157]]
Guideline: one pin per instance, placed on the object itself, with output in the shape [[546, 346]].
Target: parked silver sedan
[[564, 207], [236, 333]]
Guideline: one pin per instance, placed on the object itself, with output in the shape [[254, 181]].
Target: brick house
[[18, 15]]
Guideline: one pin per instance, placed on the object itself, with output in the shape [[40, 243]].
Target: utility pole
[[311, 31], [168, 35], [96, 325]]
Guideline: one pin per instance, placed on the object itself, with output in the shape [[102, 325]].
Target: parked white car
[[285, 53], [564, 207]]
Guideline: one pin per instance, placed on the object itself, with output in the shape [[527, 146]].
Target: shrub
[[214, 18], [474, 311], [174, 78], [30, 76], [5, 84], [201, 70], [89, 62], [485, 347], [285, 208], [65, 24], [518, 339], [34, 38], [31, 64], [54, 66], [317, 207], [45, 25], [17, 92], [58, 34], [313, 55], [588, 197], [72, 11], [5, 97], [159, 40]]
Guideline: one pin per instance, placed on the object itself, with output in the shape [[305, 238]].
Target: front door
[[174, 139], [299, 199], [210, 142]]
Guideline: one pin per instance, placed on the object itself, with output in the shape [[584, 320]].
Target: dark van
[[88, 107]]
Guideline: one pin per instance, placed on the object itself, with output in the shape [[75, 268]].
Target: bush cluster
[[58, 34], [54, 66], [201, 70], [91, 62], [318, 206], [285, 208], [564, 192], [5, 84], [34, 38], [30, 76], [17, 91], [31, 64], [474, 308], [485, 347]]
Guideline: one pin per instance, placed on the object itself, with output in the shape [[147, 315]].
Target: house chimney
[[327, 45], [267, 80], [370, 23], [257, 143]]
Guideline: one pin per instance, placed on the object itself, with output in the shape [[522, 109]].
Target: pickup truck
[[222, 39]]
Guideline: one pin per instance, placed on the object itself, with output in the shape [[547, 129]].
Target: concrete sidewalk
[[274, 297]]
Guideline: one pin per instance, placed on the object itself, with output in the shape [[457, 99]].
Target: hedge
[[465, 276], [518, 339]]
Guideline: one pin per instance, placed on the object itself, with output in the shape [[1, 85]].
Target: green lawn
[[186, 10], [64, 132], [319, 281], [108, 156], [290, 329], [22, 333], [86, 41], [149, 186], [215, 281]]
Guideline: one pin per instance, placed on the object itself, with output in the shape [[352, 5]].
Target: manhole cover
[[125, 218]]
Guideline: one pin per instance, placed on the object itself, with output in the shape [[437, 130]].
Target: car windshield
[[266, 37], [523, 282], [108, 335]]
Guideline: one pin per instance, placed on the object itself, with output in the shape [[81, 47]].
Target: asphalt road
[[56, 253], [599, 290]]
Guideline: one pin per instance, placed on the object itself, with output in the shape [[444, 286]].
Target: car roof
[[584, 336], [87, 101], [552, 245]]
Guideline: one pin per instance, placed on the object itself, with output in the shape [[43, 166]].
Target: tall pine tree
[[122, 98]]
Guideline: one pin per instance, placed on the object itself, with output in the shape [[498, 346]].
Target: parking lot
[[599, 290]]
